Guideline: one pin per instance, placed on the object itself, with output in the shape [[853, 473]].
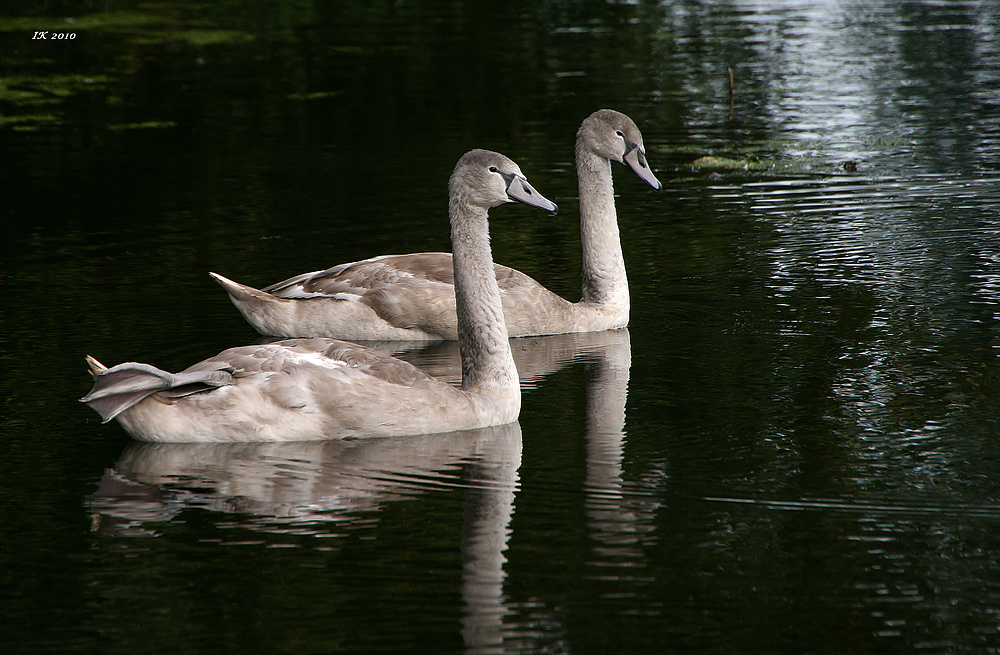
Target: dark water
[[794, 448]]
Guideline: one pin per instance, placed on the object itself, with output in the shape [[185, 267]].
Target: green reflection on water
[[98, 21], [131, 33]]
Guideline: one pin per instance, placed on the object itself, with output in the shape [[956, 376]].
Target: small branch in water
[[731, 92]]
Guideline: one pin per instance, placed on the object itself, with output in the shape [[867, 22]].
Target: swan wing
[[358, 278], [294, 358], [406, 291]]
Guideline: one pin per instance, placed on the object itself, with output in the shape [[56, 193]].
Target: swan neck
[[603, 275], [487, 363]]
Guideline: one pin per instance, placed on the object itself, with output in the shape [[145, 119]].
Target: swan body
[[320, 388], [410, 297]]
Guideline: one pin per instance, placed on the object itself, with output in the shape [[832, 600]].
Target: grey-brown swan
[[304, 389], [410, 297]]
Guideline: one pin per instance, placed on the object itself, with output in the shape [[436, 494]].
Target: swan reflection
[[314, 484], [616, 518], [322, 488]]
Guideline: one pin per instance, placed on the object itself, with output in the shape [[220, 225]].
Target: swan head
[[612, 135], [488, 179]]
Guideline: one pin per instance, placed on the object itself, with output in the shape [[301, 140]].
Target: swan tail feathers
[[242, 293], [120, 387], [96, 368]]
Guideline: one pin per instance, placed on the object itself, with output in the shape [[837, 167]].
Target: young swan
[[303, 389], [410, 297]]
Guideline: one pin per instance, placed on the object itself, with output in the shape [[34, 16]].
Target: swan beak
[[635, 158], [519, 190]]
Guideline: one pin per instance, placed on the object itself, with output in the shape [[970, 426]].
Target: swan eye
[[620, 133], [494, 169]]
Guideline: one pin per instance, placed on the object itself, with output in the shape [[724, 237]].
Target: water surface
[[793, 448]]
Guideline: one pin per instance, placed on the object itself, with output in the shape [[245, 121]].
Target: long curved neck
[[487, 363], [604, 279]]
